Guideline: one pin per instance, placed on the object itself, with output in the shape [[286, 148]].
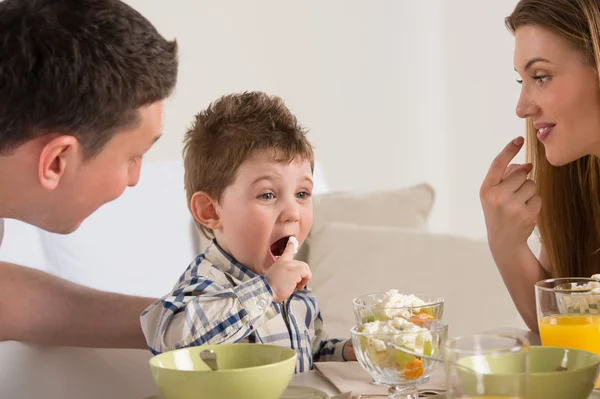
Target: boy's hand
[[349, 354], [287, 275]]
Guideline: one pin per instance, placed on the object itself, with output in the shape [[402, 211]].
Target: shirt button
[[262, 303]]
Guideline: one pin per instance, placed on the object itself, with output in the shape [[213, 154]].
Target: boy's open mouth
[[278, 246]]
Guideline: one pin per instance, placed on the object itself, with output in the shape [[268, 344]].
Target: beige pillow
[[350, 260], [405, 207]]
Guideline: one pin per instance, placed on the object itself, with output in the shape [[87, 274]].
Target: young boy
[[248, 178]]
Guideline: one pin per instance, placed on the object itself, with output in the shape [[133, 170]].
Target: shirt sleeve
[[324, 348], [201, 311]]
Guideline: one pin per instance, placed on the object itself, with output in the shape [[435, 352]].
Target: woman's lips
[[544, 131]]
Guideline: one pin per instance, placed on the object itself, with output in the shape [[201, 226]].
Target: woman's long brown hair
[[569, 222]]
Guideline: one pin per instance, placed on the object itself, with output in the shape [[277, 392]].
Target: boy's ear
[[204, 210]]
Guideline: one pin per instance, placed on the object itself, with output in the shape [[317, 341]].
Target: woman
[[557, 55]]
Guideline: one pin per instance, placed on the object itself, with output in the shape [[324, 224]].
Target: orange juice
[[573, 331]]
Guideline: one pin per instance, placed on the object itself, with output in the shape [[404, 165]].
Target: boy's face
[[267, 202]]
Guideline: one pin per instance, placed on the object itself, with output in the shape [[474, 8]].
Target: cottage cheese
[[395, 304], [408, 334], [592, 285], [580, 302], [295, 243]]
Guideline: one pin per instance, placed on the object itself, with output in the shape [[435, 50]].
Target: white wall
[[481, 96], [393, 92]]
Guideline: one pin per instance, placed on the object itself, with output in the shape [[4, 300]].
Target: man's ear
[[204, 210], [55, 156]]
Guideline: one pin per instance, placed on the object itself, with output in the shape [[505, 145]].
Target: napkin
[[349, 377]]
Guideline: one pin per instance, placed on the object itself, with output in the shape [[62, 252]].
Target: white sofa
[[140, 244]]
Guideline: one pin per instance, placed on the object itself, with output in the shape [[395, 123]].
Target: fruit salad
[[392, 304], [572, 301], [376, 341]]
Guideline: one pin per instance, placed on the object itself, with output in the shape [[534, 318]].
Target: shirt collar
[[226, 263]]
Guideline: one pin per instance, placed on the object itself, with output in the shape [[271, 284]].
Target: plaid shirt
[[217, 301]]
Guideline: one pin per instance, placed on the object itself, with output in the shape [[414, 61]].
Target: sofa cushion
[[405, 207], [349, 260]]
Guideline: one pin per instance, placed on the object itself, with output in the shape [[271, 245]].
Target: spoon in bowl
[[435, 359], [209, 357]]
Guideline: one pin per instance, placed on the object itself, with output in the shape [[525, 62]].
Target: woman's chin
[[558, 158]]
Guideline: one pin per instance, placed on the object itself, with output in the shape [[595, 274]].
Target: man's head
[[83, 84], [248, 176]]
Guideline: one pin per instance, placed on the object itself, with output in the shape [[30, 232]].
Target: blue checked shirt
[[218, 301]]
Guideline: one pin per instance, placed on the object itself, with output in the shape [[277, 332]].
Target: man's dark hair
[[78, 67]]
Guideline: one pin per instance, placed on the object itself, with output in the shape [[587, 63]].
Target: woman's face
[[560, 93]]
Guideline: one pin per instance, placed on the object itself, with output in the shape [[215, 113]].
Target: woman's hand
[[510, 201]]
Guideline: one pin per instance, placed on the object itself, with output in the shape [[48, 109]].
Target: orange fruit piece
[[421, 318], [413, 370]]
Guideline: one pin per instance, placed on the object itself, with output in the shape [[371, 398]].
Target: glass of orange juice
[[568, 313], [487, 366]]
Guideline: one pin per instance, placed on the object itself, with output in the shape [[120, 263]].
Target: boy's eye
[[303, 194], [267, 196]]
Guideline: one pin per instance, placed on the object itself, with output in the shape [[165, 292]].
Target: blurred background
[[394, 92]]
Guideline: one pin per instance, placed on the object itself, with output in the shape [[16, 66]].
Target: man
[[82, 84]]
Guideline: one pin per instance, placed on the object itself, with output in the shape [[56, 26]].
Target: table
[[314, 380]]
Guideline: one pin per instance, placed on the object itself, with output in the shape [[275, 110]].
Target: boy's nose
[[291, 213]]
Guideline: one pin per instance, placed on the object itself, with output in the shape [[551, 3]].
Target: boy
[[248, 180]]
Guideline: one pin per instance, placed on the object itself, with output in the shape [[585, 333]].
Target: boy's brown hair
[[229, 132], [80, 68]]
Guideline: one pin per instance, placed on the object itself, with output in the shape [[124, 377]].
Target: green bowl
[[545, 381], [250, 371]]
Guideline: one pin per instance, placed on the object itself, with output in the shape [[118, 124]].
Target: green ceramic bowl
[[250, 371], [546, 381]]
